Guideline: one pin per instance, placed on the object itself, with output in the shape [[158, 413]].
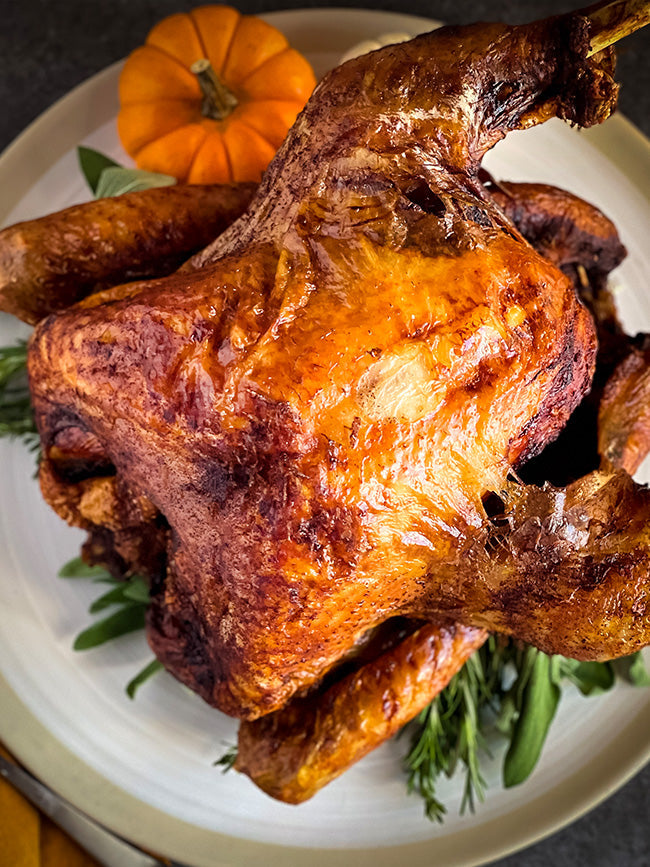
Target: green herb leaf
[[117, 181], [115, 596], [227, 760], [127, 619], [137, 590], [427, 759], [131, 594], [92, 165], [16, 415], [633, 669], [76, 568], [447, 734], [537, 701], [13, 360], [591, 678], [105, 177], [147, 672]]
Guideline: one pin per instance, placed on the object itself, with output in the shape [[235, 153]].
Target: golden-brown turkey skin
[[49, 263], [309, 483], [624, 412], [318, 412], [584, 243], [424, 113], [563, 568], [563, 227], [294, 752]]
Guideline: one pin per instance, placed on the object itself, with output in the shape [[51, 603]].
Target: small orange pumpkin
[[210, 96]]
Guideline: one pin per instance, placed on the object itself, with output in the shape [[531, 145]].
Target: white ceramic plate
[[144, 768]]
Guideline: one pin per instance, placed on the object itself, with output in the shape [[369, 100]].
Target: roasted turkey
[[311, 438]]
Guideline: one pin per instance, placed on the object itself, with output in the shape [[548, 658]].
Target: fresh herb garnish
[[76, 568], [16, 416], [449, 734], [227, 760], [127, 618], [148, 671], [92, 163], [536, 697], [504, 689], [127, 601], [107, 178], [632, 668], [117, 181]]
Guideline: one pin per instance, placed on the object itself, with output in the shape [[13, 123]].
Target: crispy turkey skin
[[295, 435]]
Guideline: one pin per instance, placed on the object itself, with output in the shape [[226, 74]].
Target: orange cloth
[[30, 839]]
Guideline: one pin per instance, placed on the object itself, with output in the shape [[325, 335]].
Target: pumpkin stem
[[218, 100]]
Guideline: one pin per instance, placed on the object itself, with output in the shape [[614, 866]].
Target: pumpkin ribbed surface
[[163, 122]]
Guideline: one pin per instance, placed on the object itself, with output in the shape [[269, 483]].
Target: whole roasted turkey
[[309, 437]]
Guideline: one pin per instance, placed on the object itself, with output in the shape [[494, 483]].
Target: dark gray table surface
[[49, 46]]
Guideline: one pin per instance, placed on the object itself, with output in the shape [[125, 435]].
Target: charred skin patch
[[334, 530], [175, 634], [219, 480], [421, 195]]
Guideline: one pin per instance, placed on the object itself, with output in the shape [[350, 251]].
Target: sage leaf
[[13, 361], [637, 672], [147, 672], [127, 619], [591, 678], [633, 669], [92, 164], [115, 181], [539, 701]]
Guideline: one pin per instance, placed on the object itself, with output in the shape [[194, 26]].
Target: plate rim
[[149, 827], [135, 819]]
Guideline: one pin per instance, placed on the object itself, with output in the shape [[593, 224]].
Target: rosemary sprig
[[427, 759], [125, 600], [449, 733], [504, 689], [16, 416], [227, 760], [143, 675]]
